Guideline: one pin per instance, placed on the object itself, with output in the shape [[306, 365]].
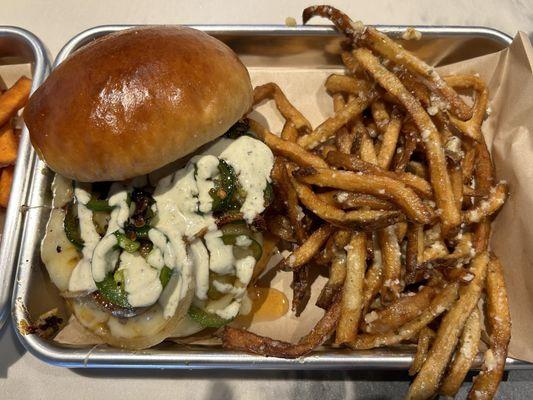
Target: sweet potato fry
[[6, 180], [14, 99], [8, 146]]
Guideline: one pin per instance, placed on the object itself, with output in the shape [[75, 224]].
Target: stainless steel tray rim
[[13, 220], [102, 356], [90, 33]]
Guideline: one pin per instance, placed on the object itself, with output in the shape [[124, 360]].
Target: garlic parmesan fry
[[429, 377], [353, 163], [379, 186], [425, 337], [400, 312], [498, 321], [307, 250], [385, 46], [289, 112], [327, 129], [464, 355], [285, 148], [352, 293], [440, 180], [486, 208], [439, 305]]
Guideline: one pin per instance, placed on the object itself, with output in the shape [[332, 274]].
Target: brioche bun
[[136, 100]]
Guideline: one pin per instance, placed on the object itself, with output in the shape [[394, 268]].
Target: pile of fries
[[11, 101], [393, 195]]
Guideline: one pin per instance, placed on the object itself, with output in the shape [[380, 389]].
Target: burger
[[155, 228]]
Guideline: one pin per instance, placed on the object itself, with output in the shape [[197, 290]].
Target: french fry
[[410, 135], [414, 248], [327, 129], [429, 377], [471, 127], [380, 115], [356, 219], [425, 337], [290, 113], [6, 180], [337, 274], [346, 84], [440, 180], [373, 280], [303, 254], [379, 186], [498, 321], [456, 179], [486, 208], [390, 140], [367, 150], [294, 213], [289, 132], [287, 149], [468, 164], [391, 255], [350, 200], [352, 293], [239, 339], [14, 99], [344, 139], [382, 44], [353, 163], [301, 289], [400, 312], [464, 355], [8, 146], [440, 303]]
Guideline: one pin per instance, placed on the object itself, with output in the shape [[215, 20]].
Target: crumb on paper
[[290, 21], [411, 34]]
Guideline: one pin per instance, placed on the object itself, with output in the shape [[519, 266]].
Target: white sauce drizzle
[[141, 281], [183, 206], [252, 161]]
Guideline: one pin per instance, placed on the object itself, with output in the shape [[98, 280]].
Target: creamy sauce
[[141, 281], [185, 237], [253, 164], [105, 254], [81, 278]]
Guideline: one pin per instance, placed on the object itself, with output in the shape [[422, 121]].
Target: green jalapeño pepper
[[268, 195], [72, 227], [225, 185], [131, 246], [206, 319], [112, 288], [95, 204], [164, 276], [230, 233]]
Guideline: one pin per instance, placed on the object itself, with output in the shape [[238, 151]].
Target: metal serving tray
[[259, 47], [18, 46]]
